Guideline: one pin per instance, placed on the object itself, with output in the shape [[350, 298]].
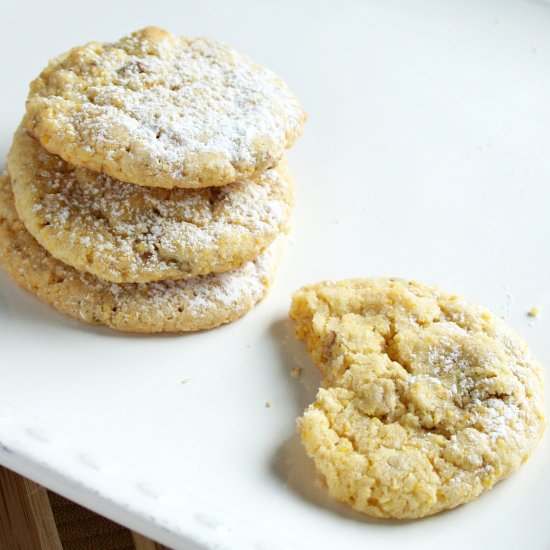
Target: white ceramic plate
[[425, 156]]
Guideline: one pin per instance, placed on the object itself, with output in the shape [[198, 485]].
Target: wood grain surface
[[33, 518]]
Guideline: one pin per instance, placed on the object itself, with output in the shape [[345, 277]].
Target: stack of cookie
[[146, 189]]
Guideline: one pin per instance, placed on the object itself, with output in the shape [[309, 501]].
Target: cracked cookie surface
[[428, 400], [125, 233], [196, 303], [163, 111]]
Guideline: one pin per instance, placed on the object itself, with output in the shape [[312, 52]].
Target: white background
[[425, 156]]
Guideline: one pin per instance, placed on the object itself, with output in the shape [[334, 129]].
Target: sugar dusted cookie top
[[127, 233], [195, 303], [164, 111], [428, 400]]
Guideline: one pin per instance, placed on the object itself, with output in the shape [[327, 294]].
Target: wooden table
[[33, 518]]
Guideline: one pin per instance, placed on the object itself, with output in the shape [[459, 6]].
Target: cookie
[[428, 400], [162, 111], [168, 306], [127, 234]]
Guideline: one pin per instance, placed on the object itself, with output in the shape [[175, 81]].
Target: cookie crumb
[[534, 311], [296, 372], [269, 404]]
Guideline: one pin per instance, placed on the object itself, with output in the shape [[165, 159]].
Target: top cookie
[[428, 400], [163, 111]]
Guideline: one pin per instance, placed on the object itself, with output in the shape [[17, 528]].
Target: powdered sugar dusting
[[485, 379]]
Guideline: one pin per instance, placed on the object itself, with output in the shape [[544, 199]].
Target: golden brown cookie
[[428, 400], [158, 110], [168, 306], [127, 233]]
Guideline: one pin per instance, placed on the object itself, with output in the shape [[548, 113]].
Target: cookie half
[[157, 110], [169, 306], [428, 400], [125, 233]]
